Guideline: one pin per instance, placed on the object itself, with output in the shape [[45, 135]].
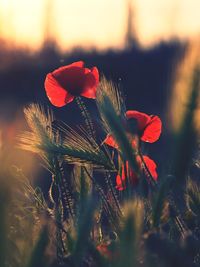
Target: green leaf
[[38, 254]]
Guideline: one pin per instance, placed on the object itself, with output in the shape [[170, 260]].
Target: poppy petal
[[79, 64], [72, 78], [132, 175], [151, 165], [67, 82], [153, 130], [142, 118], [110, 141], [120, 180], [91, 82], [149, 126], [57, 95], [104, 250], [119, 184]]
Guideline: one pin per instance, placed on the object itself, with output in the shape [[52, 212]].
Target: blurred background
[[137, 43]]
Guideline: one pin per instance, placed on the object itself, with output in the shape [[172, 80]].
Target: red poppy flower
[[150, 165], [104, 250], [149, 127], [67, 82]]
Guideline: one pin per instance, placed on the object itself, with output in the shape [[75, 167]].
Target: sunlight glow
[[97, 23]]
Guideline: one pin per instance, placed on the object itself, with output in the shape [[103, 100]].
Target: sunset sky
[[99, 23]]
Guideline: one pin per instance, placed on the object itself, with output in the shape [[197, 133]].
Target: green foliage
[[193, 197], [74, 147], [38, 254], [186, 139], [3, 228], [159, 199], [85, 221], [131, 234], [114, 121]]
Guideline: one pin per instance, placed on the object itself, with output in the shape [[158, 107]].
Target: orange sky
[[99, 23]]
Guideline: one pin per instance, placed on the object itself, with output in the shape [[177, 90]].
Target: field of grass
[[109, 203]]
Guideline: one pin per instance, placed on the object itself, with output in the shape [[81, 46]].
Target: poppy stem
[[86, 116]]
